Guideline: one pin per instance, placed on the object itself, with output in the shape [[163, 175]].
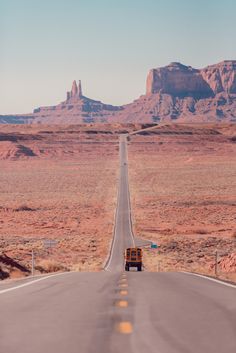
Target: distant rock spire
[[68, 95], [74, 89], [80, 94]]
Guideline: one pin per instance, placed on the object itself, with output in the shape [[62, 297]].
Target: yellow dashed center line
[[122, 303], [123, 292], [124, 327], [123, 285]]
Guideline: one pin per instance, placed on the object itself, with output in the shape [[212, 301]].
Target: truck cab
[[133, 258]]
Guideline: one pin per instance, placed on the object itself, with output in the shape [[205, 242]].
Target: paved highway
[[115, 312]]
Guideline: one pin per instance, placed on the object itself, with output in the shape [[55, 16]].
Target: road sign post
[[154, 246], [216, 263], [32, 263]]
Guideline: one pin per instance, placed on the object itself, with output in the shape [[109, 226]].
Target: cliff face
[[221, 77], [184, 93], [178, 80], [183, 81]]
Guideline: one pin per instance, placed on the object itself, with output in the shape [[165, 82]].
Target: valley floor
[[183, 190]]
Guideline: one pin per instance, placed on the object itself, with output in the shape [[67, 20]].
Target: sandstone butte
[[174, 92]]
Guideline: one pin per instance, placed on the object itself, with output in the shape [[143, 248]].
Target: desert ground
[[56, 183], [60, 183], [183, 196]]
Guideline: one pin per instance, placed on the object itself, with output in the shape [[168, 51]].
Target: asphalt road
[[115, 312]]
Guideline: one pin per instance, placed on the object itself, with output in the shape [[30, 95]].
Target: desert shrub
[[3, 274], [23, 208], [50, 266], [233, 138], [201, 231]]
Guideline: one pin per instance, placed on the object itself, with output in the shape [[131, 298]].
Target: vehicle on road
[[133, 258]]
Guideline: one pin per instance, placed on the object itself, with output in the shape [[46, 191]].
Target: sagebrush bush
[[23, 208], [50, 266], [201, 231]]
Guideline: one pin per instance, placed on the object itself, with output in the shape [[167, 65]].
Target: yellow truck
[[133, 258]]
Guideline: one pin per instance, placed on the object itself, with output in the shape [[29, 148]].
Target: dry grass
[[50, 266]]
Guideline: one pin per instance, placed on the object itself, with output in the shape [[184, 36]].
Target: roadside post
[[216, 263], [155, 246], [218, 255], [32, 262]]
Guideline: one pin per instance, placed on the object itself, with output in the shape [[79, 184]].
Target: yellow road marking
[[123, 292], [124, 327], [122, 303], [123, 285], [123, 280]]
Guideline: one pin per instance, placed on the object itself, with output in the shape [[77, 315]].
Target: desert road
[[113, 311]]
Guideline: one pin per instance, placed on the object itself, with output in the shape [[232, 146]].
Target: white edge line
[[107, 262], [32, 282], [211, 279], [129, 202], [106, 268]]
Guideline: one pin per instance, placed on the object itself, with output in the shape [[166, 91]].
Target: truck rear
[[133, 258]]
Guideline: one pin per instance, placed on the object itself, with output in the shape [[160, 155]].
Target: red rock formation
[[80, 94], [182, 81], [182, 92], [75, 109], [221, 77], [74, 89], [178, 80], [76, 92], [172, 92]]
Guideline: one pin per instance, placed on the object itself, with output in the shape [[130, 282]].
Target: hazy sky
[[109, 44]]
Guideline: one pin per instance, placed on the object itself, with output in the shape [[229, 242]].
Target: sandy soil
[[61, 184], [183, 190]]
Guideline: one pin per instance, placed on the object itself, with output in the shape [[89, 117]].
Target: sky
[[109, 44]]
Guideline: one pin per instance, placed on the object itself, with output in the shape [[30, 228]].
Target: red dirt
[[183, 191], [64, 190]]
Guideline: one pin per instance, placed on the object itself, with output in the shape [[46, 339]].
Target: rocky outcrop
[[174, 92], [75, 109], [76, 91], [184, 81], [221, 77], [178, 80], [179, 92]]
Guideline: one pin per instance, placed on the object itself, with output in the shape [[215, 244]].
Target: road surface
[[115, 312]]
